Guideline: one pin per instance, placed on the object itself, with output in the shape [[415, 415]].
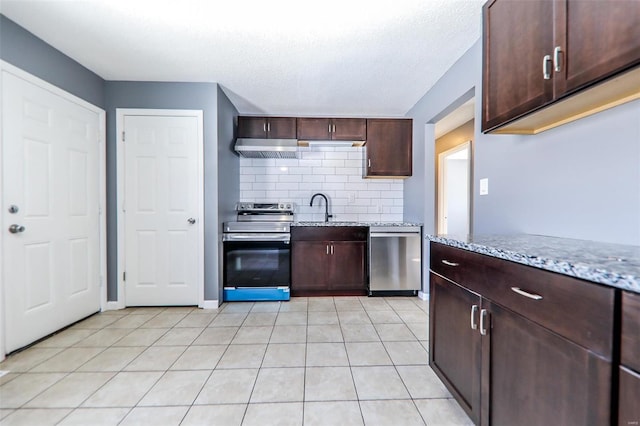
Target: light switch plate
[[484, 186]]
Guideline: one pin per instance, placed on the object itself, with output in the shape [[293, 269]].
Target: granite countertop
[[368, 224], [614, 265]]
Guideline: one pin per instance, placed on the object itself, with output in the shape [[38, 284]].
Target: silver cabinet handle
[[331, 249], [268, 127], [329, 128], [16, 229], [264, 127], [334, 128], [369, 163], [327, 248], [483, 318], [557, 66], [546, 72], [526, 293], [446, 262], [474, 311]]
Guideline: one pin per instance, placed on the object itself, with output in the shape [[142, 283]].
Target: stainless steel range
[[257, 255]]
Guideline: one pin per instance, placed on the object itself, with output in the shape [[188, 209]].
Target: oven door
[[256, 260]]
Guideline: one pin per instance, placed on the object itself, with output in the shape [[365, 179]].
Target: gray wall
[[200, 96], [24, 50], [580, 180], [228, 171]]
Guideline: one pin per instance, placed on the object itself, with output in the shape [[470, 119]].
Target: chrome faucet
[[326, 205]]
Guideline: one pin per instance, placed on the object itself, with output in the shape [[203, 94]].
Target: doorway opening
[[454, 135], [454, 200]]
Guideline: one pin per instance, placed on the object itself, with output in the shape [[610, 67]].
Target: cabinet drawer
[[577, 310], [630, 352], [329, 233]]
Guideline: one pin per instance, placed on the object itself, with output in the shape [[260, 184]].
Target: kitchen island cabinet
[[529, 343], [539, 52], [456, 357], [328, 261], [629, 391]]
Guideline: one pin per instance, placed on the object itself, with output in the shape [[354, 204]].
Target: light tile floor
[[311, 361]]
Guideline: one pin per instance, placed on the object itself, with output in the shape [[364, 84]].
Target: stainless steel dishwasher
[[395, 260]]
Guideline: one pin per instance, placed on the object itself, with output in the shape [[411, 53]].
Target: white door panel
[[161, 157], [51, 171]]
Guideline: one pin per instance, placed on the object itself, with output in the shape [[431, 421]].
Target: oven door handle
[[257, 237]]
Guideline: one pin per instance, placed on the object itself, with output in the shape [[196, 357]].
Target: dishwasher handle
[[395, 234]]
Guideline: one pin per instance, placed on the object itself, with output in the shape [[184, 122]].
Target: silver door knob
[[191, 221], [14, 229]]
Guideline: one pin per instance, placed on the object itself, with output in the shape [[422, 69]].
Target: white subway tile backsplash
[[336, 178], [335, 172], [324, 170], [332, 163], [290, 178]]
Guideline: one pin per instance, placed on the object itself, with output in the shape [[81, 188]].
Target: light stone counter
[[614, 265]]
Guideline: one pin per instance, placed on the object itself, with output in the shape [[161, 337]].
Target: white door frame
[[6, 67], [442, 196], [120, 114]]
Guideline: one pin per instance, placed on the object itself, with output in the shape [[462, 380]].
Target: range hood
[[267, 148], [283, 148]]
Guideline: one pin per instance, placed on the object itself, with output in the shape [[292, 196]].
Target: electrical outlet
[[351, 197], [379, 208]]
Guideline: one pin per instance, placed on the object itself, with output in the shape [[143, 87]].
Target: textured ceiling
[[288, 57]]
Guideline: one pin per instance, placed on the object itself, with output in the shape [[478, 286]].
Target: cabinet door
[[535, 377], [349, 129], [252, 127], [628, 407], [310, 129], [389, 148], [454, 347], [348, 266], [309, 266], [281, 127], [630, 340], [516, 37], [598, 39]]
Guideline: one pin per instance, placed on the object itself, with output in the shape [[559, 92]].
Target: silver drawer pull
[[474, 311], [446, 262], [526, 294]]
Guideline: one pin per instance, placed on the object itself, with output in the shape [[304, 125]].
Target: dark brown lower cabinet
[[328, 261], [536, 377], [513, 362], [629, 407], [629, 389], [454, 346]]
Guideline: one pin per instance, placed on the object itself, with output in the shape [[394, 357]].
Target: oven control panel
[[265, 207]]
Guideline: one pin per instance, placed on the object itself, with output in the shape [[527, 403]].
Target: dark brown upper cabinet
[[267, 127], [339, 129], [389, 148], [540, 55]]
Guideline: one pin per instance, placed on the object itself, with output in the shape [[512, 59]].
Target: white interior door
[[162, 210], [51, 250]]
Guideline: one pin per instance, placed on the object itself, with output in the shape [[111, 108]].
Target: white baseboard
[[210, 304], [422, 295], [113, 306]]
